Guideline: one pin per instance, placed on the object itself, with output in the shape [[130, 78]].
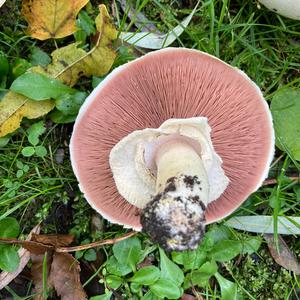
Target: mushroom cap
[[173, 83], [286, 8]]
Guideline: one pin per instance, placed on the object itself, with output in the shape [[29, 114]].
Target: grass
[[263, 44]]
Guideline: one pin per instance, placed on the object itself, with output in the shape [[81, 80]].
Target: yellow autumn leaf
[[14, 107], [51, 18], [70, 63]]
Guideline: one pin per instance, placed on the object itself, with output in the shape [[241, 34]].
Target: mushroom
[[170, 142], [286, 8]]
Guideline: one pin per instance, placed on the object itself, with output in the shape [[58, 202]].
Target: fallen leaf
[[151, 40], [51, 18], [7, 277], [265, 224], [64, 276], [56, 240], [70, 63], [14, 107], [285, 256]]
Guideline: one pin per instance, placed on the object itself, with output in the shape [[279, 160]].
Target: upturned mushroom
[[170, 142]]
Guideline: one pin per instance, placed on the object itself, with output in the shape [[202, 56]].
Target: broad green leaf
[[150, 296], [166, 288], [128, 252], [250, 245], [4, 141], [116, 268], [170, 270], [201, 276], [9, 258], [58, 117], [157, 41], [190, 259], [90, 255], [106, 296], [114, 281], [70, 104], [19, 67], [34, 131], [285, 108], [135, 287], [28, 151], [14, 107], [39, 87], [226, 250], [264, 224], [228, 288], [218, 233], [9, 228], [39, 57], [146, 276]]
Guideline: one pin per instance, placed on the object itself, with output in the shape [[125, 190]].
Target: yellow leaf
[[70, 63], [51, 18], [14, 107]]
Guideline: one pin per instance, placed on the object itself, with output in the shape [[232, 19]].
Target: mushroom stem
[[180, 161], [175, 217]]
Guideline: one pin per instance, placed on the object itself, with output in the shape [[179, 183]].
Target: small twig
[[97, 244], [274, 180]]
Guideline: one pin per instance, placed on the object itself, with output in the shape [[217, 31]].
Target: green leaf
[[28, 151], [4, 65], [40, 151], [146, 276], [9, 228], [39, 57], [170, 270], [128, 252], [218, 233], [19, 164], [135, 287], [70, 104], [39, 87], [4, 141], [114, 281], [106, 296], [9, 258], [201, 276], [116, 268], [34, 131], [19, 67], [58, 117], [166, 288], [251, 245], [20, 173], [226, 250], [228, 288], [150, 296], [190, 259], [90, 255], [285, 108]]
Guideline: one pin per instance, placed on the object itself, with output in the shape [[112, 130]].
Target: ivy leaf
[[285, 108], [9, 258], [228, 288], [14, 107], [226, 250], [39, 87], [9, 228], [170, 270], [51, 19], [146, 276], [128, 252]]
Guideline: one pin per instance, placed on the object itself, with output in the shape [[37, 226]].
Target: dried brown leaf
[[7, 277], [285, 256], [65, 277], [55, 240], [51, 18]]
